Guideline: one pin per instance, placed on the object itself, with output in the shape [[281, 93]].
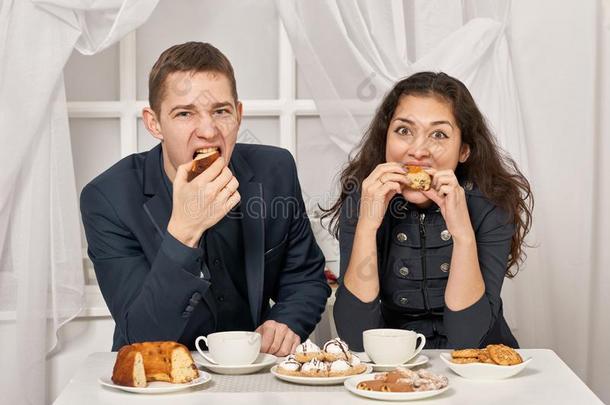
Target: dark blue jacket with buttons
[[154, 285], [414, 257]]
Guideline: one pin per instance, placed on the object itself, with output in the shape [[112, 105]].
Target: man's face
[[197, 112]]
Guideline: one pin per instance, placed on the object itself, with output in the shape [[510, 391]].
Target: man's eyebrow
[[182, 107], [222, 104]]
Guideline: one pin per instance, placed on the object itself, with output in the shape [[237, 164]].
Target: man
[[177, 259]]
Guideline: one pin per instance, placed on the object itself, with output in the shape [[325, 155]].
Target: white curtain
[[351, 52], [41, 275]]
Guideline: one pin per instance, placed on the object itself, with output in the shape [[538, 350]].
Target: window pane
[[319, 162], [246, 31], [259, 130], [302, 89], [94, 77], [96, 145], [145, 140]]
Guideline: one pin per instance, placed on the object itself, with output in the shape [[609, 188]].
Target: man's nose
[[206, 127]]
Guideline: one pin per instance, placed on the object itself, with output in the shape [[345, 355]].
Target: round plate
[[483, 371], [263, 360], [315, 380], [418, 361], [351, 384], [157, 387]]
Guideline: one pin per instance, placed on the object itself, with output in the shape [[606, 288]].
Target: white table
[[546, 380]]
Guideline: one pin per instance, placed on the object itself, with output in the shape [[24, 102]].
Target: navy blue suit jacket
[[152, 283]]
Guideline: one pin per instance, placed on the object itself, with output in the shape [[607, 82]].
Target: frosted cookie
[[307, 351], [314, 368], [336, 349], [290, 366]]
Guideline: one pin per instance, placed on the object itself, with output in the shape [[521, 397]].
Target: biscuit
[[465, 353], [465, 360], [504, 355]]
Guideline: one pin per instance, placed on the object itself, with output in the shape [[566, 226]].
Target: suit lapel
[[159, 206], [253, 230]]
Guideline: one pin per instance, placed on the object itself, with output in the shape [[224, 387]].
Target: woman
[[430, 261]]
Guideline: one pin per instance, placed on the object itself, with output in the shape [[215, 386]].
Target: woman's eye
[[439, 135], [403, 131]]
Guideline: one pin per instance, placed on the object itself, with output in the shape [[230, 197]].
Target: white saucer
[[417, 361], [157, 387], [263, 360], [351, 384]]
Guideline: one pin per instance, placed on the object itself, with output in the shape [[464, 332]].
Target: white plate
[[315, 380], [158, 387], [483, 371], [263, 360], [351, 384], [418, 361]]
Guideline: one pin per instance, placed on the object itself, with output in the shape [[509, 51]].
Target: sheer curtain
[[351, 52], [41, 276]]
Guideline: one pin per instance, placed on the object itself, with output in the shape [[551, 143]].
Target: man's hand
[[277, 338], [200, 204]]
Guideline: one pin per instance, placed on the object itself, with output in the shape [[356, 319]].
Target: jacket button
[[404, 300], [404, 271], [445, 235], [445, 267], [402, 237]]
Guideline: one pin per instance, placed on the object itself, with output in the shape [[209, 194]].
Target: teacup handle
[[420, 347], [205, 356]]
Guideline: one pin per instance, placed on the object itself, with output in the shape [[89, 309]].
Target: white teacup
[[392, 346], [231, 348]]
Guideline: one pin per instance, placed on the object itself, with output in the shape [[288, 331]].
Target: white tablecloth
[[546, 380]]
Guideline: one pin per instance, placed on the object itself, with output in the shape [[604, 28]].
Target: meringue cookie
[[336, 349], [339, 365], [314, 366], [290, 364], [307, 347]]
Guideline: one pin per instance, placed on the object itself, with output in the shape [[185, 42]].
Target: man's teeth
[[207, 150]]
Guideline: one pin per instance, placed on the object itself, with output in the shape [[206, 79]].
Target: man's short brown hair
[[188, 57]]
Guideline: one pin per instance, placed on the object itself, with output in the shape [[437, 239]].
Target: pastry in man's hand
[[202, 160]]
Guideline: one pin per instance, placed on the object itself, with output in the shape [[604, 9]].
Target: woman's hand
[[377, 190], [447, 193]]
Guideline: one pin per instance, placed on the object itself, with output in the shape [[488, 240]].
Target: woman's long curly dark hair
[[491, 169]]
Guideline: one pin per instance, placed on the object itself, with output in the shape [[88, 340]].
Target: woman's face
[[423, 132]]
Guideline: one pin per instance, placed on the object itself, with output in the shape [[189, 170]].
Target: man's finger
[[281, 331], [267, 336], [287, 344], [182, 174], [295, 343]]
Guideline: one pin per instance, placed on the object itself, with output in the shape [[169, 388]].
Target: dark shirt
[[223, 265], [414, 255]]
